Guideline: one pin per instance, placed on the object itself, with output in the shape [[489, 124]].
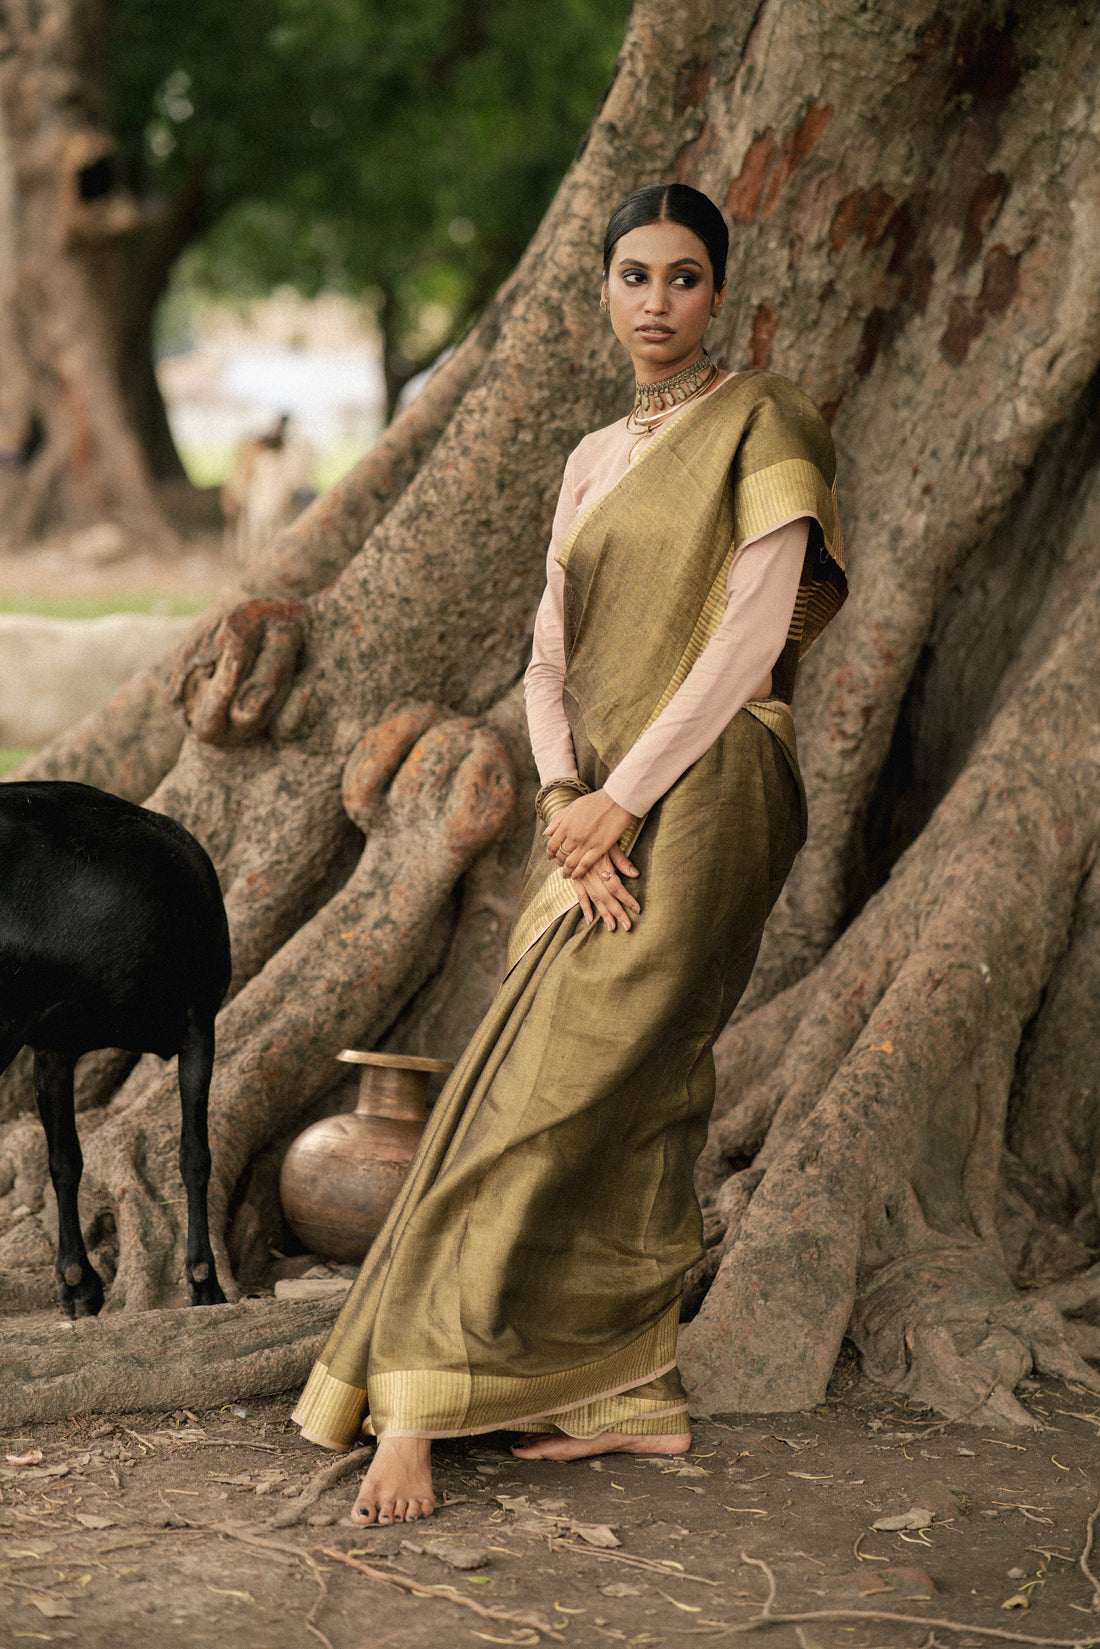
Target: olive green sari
[[529, 1273]]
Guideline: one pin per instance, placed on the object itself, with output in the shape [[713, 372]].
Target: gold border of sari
[[330, 1411]]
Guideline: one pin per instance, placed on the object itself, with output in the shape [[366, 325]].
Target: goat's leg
[[196, 1065], [81, 1286]]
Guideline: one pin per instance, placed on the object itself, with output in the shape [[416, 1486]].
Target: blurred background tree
[[402, 155]]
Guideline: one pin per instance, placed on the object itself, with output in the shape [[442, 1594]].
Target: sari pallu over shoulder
[[646, 570]]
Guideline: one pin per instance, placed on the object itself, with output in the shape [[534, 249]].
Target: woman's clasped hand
[[584, 840]]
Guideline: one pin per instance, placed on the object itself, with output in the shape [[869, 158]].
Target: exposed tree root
[[321, 1481], [879, 1155], [159, 1359]]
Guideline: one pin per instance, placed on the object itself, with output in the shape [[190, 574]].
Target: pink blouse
[[760, 596]]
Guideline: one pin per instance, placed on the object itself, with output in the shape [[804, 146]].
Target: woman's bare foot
[[559, 1446], [398, 1484]]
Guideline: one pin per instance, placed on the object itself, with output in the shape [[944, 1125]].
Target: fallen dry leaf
[[917, 1517], [91, 1520], [595, 1534], [33, 1458], [53, 1607]]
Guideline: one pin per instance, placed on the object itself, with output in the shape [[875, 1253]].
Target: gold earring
[[603, 306]]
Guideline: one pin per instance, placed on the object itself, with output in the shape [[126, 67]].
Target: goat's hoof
[[84, 1298], [208, 1291]]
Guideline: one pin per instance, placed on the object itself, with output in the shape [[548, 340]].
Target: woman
[[529, 1275]]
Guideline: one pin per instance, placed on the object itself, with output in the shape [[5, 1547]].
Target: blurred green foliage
[[404, 151]]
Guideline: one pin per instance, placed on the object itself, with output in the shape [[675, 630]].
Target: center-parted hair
[[671, 203]]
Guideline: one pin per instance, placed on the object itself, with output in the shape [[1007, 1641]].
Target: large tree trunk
[[83, 435], [902, 1147]]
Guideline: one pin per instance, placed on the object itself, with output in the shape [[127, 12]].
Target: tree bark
[[72, 453], [915, 201], [159, 1360]]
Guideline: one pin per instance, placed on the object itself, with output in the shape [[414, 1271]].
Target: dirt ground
[[190, 1528]]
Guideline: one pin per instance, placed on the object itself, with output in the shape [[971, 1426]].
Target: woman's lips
[[655, 331]]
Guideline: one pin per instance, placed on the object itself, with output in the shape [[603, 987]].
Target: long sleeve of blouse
[[760, 594]]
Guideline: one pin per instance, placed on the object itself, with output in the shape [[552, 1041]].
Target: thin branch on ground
[[445, 1594], [219, 1443], [929, 1426], [670, 1571], [1083, 1560], [770, 1617], [316, 1487], [233, 1531]]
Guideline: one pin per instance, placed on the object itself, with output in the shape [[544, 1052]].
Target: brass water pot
[[340, 1177]]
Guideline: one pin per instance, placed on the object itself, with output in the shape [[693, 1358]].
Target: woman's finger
[[612, 910], [615, 888], [621, 862]]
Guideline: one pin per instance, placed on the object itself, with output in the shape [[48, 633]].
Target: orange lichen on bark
[[845, 219], [798, 148], [743, 195], [765, 324], [236, 677], [1000, 280], [692, 84]]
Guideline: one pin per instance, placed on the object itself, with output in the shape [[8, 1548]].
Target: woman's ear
[[717, 302], [603, 298]]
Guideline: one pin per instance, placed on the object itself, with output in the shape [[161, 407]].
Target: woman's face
[[660, 295]]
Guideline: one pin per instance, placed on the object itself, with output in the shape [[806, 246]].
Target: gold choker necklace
[[655, 402]]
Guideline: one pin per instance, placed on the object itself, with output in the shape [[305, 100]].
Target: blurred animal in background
[[268, 487], [112, 935]]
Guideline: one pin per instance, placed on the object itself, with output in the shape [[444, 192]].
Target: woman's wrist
[[553, 798]]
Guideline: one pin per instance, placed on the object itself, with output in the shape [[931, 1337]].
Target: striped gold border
[[329, 1411], [442, 1403], [772, 494], [623, 1413]]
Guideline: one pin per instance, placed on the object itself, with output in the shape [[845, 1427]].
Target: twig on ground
[[219, 1443], [670, 1571], [1083, 1560], [866, 1557], [446, 1594], [296, 1510], [929, 1426], [771, 1617], [233, 1531], [146, 1442]]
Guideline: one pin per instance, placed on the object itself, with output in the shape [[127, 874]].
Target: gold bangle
[[559, 794]]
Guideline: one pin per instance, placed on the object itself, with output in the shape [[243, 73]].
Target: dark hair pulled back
[[671, 203]]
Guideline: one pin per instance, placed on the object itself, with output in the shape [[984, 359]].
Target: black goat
[[112, 935]]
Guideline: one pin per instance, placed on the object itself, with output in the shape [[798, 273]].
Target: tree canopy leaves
[[406, 150]]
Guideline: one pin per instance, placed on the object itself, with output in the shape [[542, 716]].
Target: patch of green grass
[[95, 606], [331, 466], [11, 755], [209, 466]]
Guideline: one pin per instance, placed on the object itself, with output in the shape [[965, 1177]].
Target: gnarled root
[[889, 1100], [235, 677], [945, 1326]]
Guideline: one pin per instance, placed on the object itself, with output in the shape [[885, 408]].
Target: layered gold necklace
[[653, 403]]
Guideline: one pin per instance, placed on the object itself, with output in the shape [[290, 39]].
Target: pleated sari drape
[[529, 1273]]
